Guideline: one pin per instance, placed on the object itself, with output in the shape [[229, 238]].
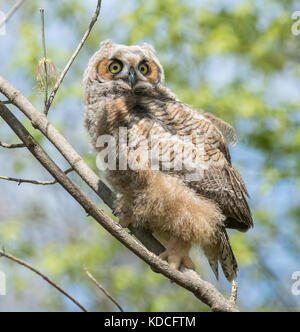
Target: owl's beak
[[132, 77]]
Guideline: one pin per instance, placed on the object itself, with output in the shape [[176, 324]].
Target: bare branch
[[41, 183], [189, 279], [102, 289], [28, 266], [63, 74], [234, 292], [11, 146], [11, 12]]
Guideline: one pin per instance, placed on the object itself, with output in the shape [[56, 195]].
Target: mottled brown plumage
[[124, 88]]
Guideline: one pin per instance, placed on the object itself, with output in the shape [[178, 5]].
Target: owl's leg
[[123, 212], [177, 254], [125, 221]]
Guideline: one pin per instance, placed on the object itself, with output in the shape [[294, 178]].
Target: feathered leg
[[177, 254]]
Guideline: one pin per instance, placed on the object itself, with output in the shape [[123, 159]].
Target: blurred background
[[237, 59]]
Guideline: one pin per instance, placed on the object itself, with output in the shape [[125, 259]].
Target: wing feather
[[220, 181]]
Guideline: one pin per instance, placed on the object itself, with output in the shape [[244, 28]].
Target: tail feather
[[222, 252], [214, 264], [226, 257]]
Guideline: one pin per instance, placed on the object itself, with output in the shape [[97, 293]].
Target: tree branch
[[234, 292], [102, 289], [28, 266], [64, 73], [203, 290], [11, 146], [11, 12], [41, 183]]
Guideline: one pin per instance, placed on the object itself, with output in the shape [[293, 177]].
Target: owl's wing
[[226, 129], [223, 184], [218, 180]]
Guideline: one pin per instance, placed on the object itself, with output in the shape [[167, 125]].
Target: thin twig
[[28, 266], [44, 63], [5, 102], [102, 289], [63, 74], [234, 292], [11, 12], [41, 183], [12, 146]]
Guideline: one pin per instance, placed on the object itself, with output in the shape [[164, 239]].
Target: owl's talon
[[188, 263], [177, 261]]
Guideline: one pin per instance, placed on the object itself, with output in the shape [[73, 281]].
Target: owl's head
[[130, 68]]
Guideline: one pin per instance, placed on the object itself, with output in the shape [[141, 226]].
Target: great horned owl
[[182, 206]]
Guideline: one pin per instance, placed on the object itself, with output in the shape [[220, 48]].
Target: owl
[[172, 171]]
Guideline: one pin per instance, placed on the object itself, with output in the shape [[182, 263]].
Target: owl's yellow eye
[[144, 69], [115, 67]]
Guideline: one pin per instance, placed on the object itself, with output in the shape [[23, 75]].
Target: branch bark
[[11, 146], [40, 183], [188, 279]]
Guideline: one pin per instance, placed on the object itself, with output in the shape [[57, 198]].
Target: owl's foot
[[177, 255]]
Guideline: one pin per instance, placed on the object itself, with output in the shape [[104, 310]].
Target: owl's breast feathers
[[174, 120]]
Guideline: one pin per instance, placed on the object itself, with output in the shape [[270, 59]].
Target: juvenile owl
[[169, 164]]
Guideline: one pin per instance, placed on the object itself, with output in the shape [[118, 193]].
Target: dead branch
[[41, 183], [102, 289], [52, 283], [190, 280], [234, 292], [11, 12], [11, 146], [64, 72]]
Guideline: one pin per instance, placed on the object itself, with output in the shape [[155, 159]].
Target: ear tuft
[[106, 43], [148, 48]]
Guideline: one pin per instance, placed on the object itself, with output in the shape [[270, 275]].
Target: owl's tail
[[223, 253]]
